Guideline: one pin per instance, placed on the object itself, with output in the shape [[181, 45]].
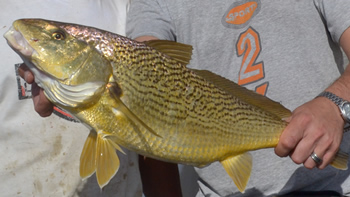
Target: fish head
[[57, 59], [48, 46]]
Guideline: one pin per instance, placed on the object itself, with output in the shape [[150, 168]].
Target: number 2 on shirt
[[248, 46]]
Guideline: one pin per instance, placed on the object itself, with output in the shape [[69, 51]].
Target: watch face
[[345, 109]]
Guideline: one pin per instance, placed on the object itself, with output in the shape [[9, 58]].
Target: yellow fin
[[87, 157], [116, 146], [340, 161], [239, 168], [178, 51], [126, 111], [107, 161], [244, 94]]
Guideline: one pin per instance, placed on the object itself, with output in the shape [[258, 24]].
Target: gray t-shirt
[[287, 50]]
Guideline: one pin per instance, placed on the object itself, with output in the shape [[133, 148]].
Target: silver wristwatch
[[343, 105]]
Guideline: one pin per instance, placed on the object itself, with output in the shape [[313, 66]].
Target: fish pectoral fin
[[121, 107], [87, 157], [340, 161], [180, 52], [133, 118], [239, 167], [244, 94], [107, 161]]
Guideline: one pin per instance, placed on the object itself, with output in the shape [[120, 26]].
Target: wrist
[[342, 104], [341, 86]]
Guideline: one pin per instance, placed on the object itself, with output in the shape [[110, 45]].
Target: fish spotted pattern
[[143, 97]]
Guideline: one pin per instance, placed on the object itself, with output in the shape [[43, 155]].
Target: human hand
[[41, 104], [315, 127]]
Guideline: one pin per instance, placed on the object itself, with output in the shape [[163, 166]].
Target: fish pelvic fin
[[87, 157], [340, 161], [99, 155], [245, 95], [239, 167], [107, 161]]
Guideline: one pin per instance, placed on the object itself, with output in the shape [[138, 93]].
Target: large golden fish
[[141, 96]]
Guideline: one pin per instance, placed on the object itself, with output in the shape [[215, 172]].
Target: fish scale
[[146, 82], [204, 93], [143, 97]]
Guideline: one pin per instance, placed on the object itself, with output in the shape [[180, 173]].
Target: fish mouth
[[17, 41], [20, 45]]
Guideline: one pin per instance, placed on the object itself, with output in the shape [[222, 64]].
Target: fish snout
[[17, 41]]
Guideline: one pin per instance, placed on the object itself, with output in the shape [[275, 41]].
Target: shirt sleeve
[[149, 18], [336, 15]]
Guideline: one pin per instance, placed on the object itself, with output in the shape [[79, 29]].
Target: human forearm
[[317, 126], [341, 86]]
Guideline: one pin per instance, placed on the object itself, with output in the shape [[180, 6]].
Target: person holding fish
[[288, 51]]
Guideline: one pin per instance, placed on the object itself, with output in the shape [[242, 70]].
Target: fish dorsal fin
[[244, 94], [177, 51]]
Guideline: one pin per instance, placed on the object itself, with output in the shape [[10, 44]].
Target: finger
[[289, 139], [321, 149], [325, 149], [334, 148], [26, 74], [22, 69], [41, 104], [327, 158], [329, 155], [314, 141], [303, 150], [314, 161], [328, 146]]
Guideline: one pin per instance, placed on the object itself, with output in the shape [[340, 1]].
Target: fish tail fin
[[87, 157], [107, 161], [239, 167], [99, 154], [340, 161]]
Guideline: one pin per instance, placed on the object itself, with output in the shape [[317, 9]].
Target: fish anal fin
[[177, 51], [107, 161], [87, 157], [340, 161], [245, 95], [239, 167]]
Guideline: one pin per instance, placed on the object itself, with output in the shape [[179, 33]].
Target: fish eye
[[58, 35]]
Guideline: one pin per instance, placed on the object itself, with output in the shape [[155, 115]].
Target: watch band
[[343, 105], [336, 99]]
